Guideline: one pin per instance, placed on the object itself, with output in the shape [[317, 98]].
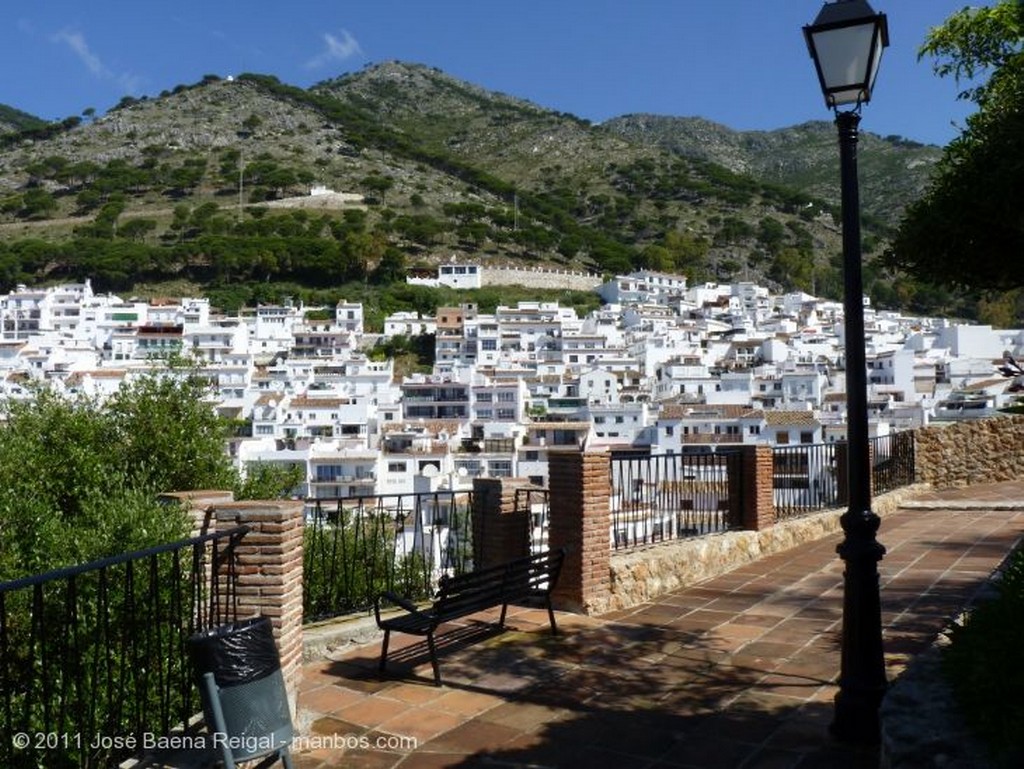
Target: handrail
[[65, 572]]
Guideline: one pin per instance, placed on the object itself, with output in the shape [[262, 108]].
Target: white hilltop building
[[461, 276]]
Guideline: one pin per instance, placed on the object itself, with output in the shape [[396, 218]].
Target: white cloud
[[337, 49], [76, 42]]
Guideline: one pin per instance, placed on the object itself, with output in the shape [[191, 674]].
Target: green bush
[[80, 478], [983, 664]]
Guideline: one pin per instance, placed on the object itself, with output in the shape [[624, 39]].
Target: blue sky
[[738, 62]]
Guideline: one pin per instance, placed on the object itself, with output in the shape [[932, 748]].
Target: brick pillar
[[270, 573], [199, 504], [756, 486], [500, 532], [580, 521]]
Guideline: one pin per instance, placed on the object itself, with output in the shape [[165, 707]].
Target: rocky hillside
[[191, 184], [893, 170], [13, 120]]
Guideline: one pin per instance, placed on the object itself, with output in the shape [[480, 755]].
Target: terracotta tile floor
[[738, 671]]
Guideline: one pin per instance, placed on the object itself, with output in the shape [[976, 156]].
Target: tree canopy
[[79, 479], [968, 229]]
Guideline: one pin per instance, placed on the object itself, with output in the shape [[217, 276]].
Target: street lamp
[[846, 42]]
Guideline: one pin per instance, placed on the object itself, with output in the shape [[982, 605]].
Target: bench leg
[[551, 617], [384, 651], [501, 619], [433, 659]]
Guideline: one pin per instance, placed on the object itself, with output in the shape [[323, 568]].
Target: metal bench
[[531, 577]]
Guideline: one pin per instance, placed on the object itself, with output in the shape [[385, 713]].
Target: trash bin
[[245, 704]]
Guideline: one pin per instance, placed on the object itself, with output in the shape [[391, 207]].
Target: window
[[500, 469], [507, 414], [806, 436], [669, 430], [483, 397], [506, 397], [782, 436]]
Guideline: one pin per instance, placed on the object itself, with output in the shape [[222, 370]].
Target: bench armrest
[[396, 599]]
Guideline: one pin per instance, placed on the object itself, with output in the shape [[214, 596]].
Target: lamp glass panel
[[844, 56]]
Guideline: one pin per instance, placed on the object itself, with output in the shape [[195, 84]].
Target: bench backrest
[[495, 585]]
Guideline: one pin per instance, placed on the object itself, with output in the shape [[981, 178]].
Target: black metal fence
[[804, 479], [534, 504], [672, 496], [892, 461], [807, 477], [358, 547], [93, 658]]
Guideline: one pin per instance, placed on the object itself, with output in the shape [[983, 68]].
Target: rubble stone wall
[[641, 575], [538, 278], [964, 453]]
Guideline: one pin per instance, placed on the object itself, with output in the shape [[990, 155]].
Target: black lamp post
[[846, 42]]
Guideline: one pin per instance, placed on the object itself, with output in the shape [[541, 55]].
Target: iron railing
[[358, 547], [892, 461], [807, 477], [804, 479], [94, 657], [533, 503], [672, 496]]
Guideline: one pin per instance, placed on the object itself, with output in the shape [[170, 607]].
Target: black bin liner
[[236, 653], [238, 671]]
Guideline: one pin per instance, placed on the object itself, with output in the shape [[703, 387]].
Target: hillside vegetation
[[893, 170], [204, 185]]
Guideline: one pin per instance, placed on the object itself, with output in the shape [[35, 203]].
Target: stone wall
[[539, 278], [961, 454], [641, 575]]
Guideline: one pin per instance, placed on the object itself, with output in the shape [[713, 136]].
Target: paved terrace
[[738, 671]]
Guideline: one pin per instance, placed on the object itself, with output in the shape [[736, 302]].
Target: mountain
[[13, 120], [209, 182], [893, 170]]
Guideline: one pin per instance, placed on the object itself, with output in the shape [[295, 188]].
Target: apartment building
[[666, 368]]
